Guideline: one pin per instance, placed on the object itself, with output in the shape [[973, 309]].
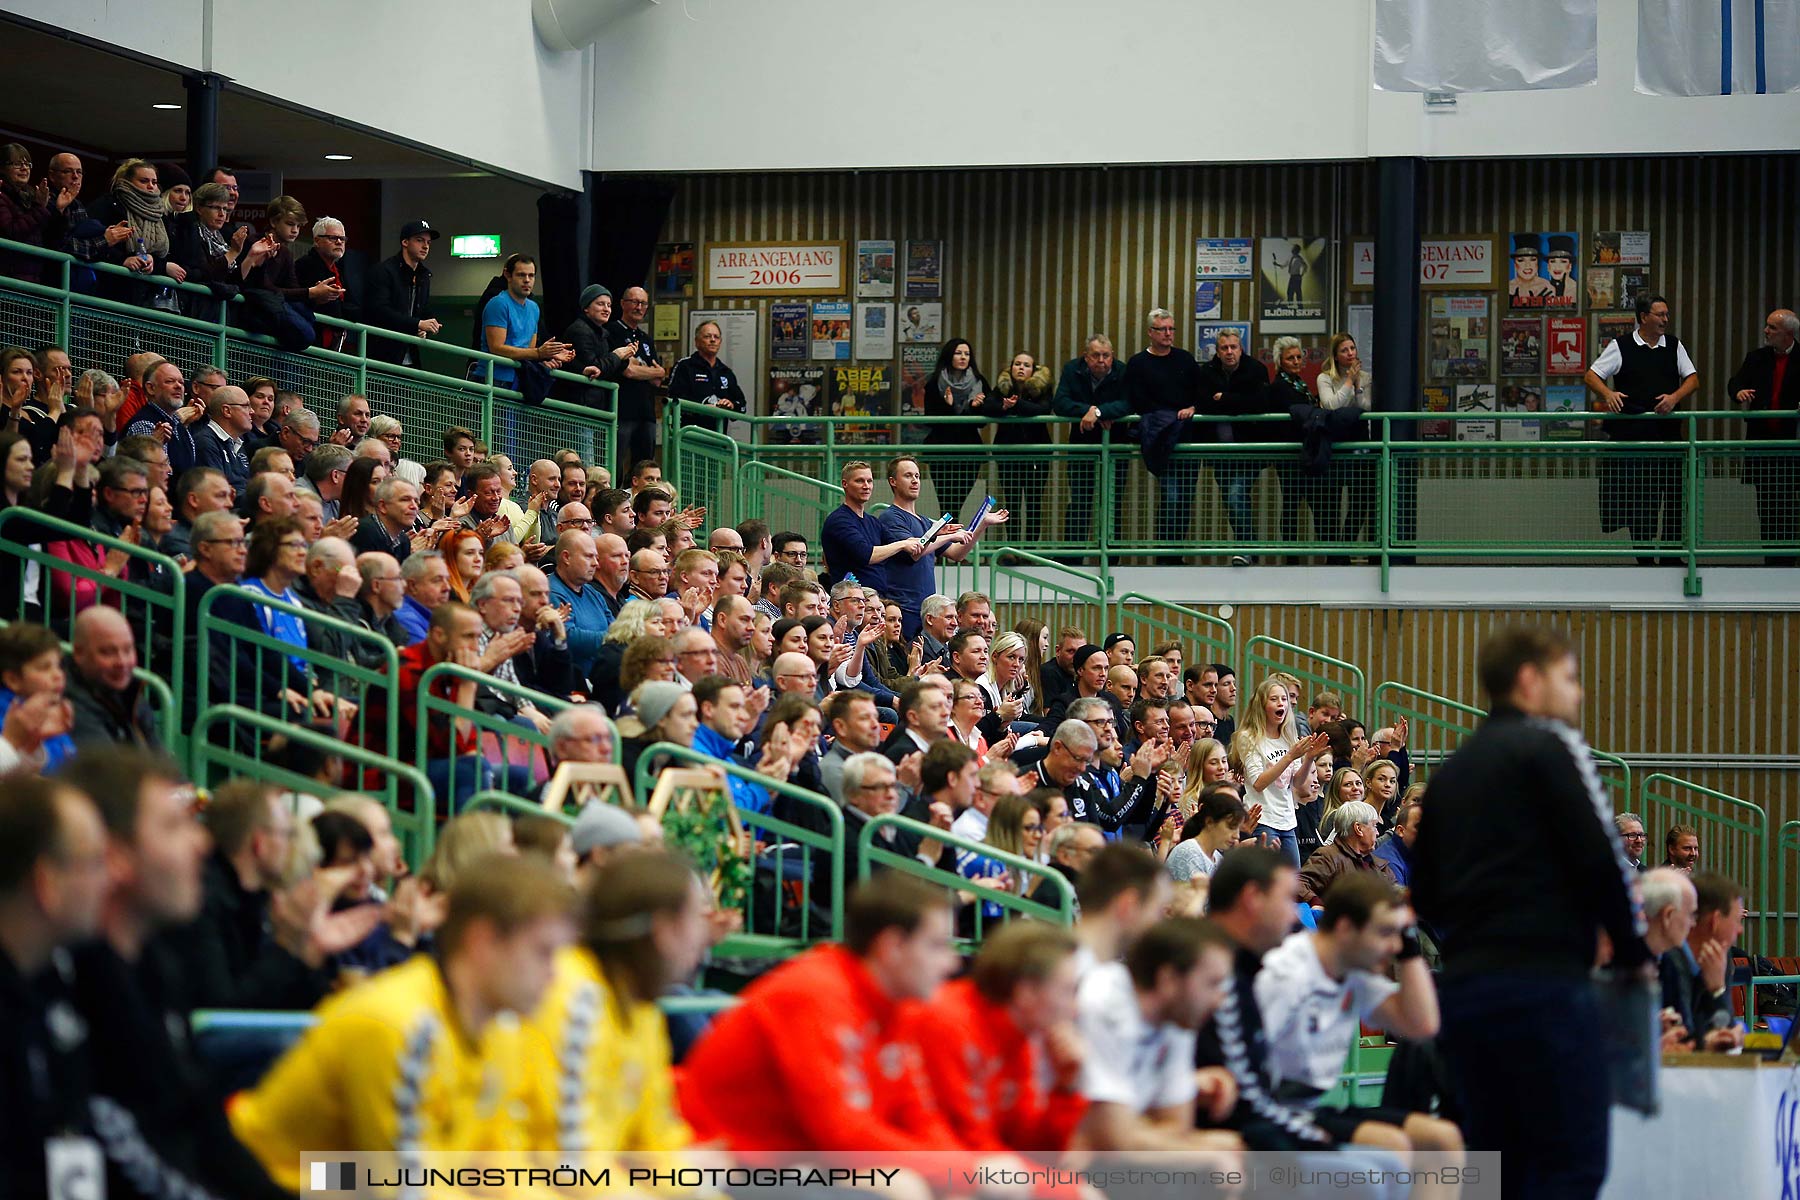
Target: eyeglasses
[[328, 237], [579, 523], [136, 491], [222, 541], [879, 787], [301, 545], [19, 162], [812, 676]]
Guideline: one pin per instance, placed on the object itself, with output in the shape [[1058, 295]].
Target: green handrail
[[323, 668], [1208, 630], [1785, 863], [1348, 682], [510, 805], [168, 715], [1618, 782], [869, 855], [152, 598], [830, 843], [1739, 838], [417, 829], [1395, 700], [504, 730]]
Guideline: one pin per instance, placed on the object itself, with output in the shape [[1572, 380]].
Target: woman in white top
[[1207, 834], [1345, 384], [1268, 746]]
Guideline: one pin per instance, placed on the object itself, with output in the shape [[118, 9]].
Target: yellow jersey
[[600, 1066], [387, 1068]]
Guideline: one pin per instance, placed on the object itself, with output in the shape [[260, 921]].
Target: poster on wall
[[1564, 398], [674, 274], [665, 324], [1633, 282], [1361, 275], [790, 332], [1461, 262], [1295, 277], [796, 393], [1359, 323], [831, 330], [1603, 287], [874, 330], [1461, 338], [1622, 248], [1206, 336], [739, 335], [916, 363], [1565, 343], [1609, 327], [1521, 399], [1476, 398], [922, 322], [1208, 296], [925, 269], [865, 391], [1437, 400], [1222, 258], [1522, 346], [1543, 274], [776, 268], [875, 268]]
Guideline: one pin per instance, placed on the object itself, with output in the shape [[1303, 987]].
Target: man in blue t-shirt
[[510, 323], [910, 580]]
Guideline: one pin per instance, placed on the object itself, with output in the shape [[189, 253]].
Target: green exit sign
[[475, 245]]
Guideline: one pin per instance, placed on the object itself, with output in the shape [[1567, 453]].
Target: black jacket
[[309, 269], [158, 1110], [592, 349], [1241, 393], [43, 1074], [396, 297], [104, 716], [1077, 391], [227, 957], [1517, 861], [1758, 374], [1033, 400], [1683, 991], [938, 404]]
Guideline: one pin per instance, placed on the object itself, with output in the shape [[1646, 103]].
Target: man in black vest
[[1768, 381], [1648, 373]]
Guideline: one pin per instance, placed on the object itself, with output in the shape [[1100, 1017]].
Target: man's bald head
[[794, 672], [647, 559], [573, 516], [105, 650], [228, 396]]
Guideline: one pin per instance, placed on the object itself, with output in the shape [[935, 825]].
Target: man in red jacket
[[994, 1039], [816, 1056]]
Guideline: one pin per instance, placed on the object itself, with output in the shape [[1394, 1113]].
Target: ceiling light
[[337, 158], [167, 107]]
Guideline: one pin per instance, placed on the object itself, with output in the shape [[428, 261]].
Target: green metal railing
[[1436, 724], [711, 476], [1513, 491], [510, 805], [390, 781], [510, 735], [1021, 583], [324, 670], [1785, 867], [157, 609], [460, 392], [798, 917], [1615, 776], [1734, 839], [1214, 639], [1316, 671], [1059, 910], [785, 499]]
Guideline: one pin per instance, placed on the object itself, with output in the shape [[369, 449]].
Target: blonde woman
[[464, 840], [1345, 384], [1346, 788], [1268, 745], [1381, 780], [1007, 663], [1016, 828]]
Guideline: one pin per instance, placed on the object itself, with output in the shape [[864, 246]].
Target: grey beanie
[[652, 701], [603, 825], [591, 293]]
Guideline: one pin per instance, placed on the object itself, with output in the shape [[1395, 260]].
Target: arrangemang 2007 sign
[[776, 268]]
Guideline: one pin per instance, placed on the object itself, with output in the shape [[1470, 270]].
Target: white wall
[[780, 84], [465, 76], [468, 77], [167, 29], [1609, 118], [776, 84], [463, 206]]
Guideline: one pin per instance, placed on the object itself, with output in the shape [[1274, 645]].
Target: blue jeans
[[1236, 481], [1527, 1054], [1290, 845], [456, 779]]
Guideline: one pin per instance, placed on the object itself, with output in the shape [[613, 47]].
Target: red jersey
[[814, 1057], [987, 1077]]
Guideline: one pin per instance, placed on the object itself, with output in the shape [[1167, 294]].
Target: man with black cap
[[1090, 667], [1527, 289], [399, 296], [701, 378], [1565, 289]]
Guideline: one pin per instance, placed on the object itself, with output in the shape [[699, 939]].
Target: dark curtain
[[559, 259], [627, 216]]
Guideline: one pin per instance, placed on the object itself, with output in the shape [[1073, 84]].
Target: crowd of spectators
[[159, 225]]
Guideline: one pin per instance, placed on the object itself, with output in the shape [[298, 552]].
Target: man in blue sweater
[[573, 584]]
